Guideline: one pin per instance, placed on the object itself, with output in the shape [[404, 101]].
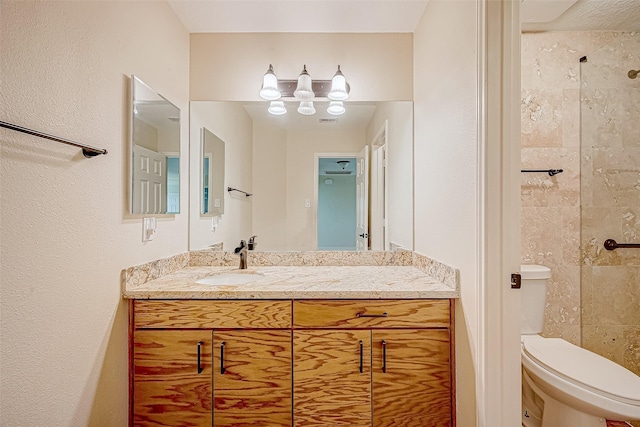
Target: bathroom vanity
[[299, 346]]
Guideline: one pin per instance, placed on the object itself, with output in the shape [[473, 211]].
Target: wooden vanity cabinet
[[406, 377], [202, 362], [295, 363], [172, 378]]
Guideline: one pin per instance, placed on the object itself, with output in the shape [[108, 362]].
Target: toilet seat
[[584, 368]]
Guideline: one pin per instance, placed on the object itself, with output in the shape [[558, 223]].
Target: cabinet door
[[332, 378], [252, 378], [411, 378], [171, 378]]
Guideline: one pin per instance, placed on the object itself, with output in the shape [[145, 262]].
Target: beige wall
[[446, 167], [65, 235], [231, 123], [269, 208], [229, 67]]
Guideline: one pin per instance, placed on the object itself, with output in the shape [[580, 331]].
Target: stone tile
[[562, 308], [586, 295], [571, 333], [631, 115], [586, 178], [541, 118], [599, 224], [607, 341], [551, 60], [601, 117], [631, 357], [616, 180], [541, 236], [616, 295], [540, 189], [571, 118], [571, 221]]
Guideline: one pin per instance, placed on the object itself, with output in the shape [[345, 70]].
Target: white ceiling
[[302, 16], [381, 16], [612, 15]]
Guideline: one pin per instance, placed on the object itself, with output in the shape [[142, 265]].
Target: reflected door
[[149, 181], [362, 200]]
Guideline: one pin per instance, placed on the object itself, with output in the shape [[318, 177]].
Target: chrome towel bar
[[230, 189], [87, 150], [551, 172]]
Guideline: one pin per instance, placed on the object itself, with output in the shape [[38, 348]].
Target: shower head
[[633, 74]]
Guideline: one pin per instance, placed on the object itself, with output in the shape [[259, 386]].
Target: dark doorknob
[[364, 235]]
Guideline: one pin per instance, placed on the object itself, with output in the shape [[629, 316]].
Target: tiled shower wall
[[550, 228], [610, 194], [611, 200]]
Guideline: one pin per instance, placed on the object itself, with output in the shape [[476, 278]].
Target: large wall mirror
[[317, 182], [155, 152]]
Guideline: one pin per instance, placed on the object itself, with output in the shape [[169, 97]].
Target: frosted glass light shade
[[277, 108], [270, 89], [336, 108], [304, 90], [338, 90], [306, 108]]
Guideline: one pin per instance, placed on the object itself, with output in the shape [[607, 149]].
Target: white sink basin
[[230, 278]]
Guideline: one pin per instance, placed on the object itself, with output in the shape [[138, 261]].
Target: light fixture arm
[[321, 88]]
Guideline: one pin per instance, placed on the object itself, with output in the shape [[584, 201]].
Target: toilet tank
[[533, 295]]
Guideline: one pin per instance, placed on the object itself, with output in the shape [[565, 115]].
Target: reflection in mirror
[[212, 176], [155, 151], [277, 159]]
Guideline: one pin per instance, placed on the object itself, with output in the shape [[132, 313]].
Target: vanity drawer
[[210, 314], [371, 313]]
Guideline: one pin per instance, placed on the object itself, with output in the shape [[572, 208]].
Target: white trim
[[498, 383]]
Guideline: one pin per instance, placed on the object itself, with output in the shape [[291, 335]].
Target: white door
[[378, 196], [362, 200], [149, 176]]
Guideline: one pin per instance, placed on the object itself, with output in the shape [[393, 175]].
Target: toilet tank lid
[[533, 271]]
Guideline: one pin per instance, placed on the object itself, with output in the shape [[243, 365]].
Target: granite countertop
[[296, 282]]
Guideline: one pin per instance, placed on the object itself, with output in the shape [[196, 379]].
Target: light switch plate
[[148, 229]]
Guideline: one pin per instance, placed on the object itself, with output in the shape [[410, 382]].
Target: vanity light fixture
[[304, 90], [336, 108], [270, 89], [277, 108], [306, 108], [338, 87]]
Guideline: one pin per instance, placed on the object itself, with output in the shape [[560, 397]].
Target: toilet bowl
[[564, 385]]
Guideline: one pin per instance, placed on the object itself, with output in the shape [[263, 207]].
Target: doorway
[[336, 202]]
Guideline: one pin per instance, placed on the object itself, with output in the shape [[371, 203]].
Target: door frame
[[377, 204], [498, 379], [316, 160]]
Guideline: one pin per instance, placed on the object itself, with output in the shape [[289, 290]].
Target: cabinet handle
[[361, 348], [222, 369], [384, 356], [361, 314], [200, 369]]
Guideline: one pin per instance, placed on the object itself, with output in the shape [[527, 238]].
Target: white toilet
[[564, 385]]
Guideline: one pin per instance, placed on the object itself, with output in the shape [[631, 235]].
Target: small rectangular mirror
[[155, 152], [211, 174]]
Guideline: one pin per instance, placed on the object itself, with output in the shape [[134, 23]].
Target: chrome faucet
[[252, 243], [242, 251]]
